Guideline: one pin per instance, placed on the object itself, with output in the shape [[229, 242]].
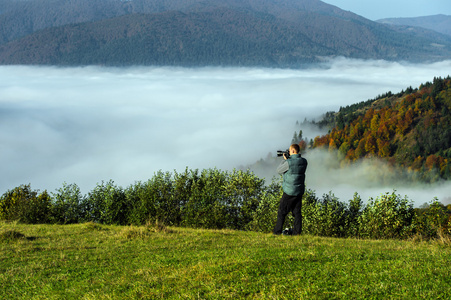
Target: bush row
[[193, 198], [217, 199]]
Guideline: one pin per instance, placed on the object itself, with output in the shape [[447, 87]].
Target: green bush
[[152, 201], [265, 214], [216, 199], [201, 199], [166, 203], [25, 205], [353, 214], [106, 204], [310, 222], [40, 209], [136, 196], [388, 216], [242, 192], [206, 206], [67, 205], [324, 217], [433, 220]]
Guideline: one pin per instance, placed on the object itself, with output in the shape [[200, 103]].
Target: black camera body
[[281, 153]]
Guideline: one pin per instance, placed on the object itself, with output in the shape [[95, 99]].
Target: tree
[[370, 145], [360, 151], [383, 148], [300, 135], [25, 205], [67, 208], [374, 124]]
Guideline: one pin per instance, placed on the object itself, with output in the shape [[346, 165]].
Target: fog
[[88, 124]]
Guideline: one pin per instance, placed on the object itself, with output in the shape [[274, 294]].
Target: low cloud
[[88, 124], [369, 178]]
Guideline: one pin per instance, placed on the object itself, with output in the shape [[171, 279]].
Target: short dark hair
[[295, 148]]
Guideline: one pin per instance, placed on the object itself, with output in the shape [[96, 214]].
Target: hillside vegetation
[[198, 33], [410, 130], [220, 200]]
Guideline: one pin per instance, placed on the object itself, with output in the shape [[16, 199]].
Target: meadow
[[153, 261]]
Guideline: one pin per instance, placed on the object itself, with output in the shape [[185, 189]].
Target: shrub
[[67, 205], [152, 201], [333, 216], [207, 205], [310, 216], [135, 195], [265, 214], [432, 221], [25, 205], [388, 216], [325, 217], [39, 209], [242, 191], [353, 214], [215, 199], [223, 199], [166, 204], [106, 204]]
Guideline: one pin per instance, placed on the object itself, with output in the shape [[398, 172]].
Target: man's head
[[294, 149]]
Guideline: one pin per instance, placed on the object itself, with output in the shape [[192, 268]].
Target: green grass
[[90, 261]]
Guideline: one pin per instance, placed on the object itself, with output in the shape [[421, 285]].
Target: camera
[[281, 153]]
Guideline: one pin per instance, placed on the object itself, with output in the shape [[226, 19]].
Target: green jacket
[[293, 173]]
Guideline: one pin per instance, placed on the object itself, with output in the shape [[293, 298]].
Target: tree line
[[216, 199]]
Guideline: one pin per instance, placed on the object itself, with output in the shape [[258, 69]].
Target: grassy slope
[[90, 261]]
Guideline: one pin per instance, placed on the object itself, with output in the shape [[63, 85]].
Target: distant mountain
[[278, 33], [439, 23], [22, 17]]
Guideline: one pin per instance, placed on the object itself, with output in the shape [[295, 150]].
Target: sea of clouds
[[85, 125]]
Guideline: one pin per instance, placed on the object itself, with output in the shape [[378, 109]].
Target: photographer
[[293, 171]]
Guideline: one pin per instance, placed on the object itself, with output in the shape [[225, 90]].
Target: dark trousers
[[289, 204]]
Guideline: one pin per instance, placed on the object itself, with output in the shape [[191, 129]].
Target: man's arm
[[283, 167]]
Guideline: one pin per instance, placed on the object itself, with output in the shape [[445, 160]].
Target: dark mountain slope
[[21, 17], [438, 23], [170, 38], [281, 33]]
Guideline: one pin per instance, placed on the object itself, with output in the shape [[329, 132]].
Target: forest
[[410, 130], [201, 33]]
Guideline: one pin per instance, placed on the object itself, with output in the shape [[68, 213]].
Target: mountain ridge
[[440, 23], [273, 33]]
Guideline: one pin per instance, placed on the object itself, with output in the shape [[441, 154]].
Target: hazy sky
[[379, 9], [88, 124]]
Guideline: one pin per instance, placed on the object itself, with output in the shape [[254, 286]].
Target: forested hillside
[[411, 130], [439, 23], [220, 37], [275, 33]]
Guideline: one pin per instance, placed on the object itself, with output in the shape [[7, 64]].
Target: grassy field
[[90, 261]]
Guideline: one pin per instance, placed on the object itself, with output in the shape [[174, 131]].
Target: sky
[[90, 124], [380, 9]]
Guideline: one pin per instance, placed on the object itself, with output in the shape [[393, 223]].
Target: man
[[293, 171]]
